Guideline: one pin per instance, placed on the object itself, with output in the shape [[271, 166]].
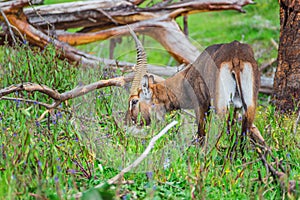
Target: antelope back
[[231, 74]]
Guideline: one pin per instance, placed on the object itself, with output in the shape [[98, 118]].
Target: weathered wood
[[13, 6], [94, 13], [78, 14]]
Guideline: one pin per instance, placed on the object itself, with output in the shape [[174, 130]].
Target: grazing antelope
[[185, 90], [230, 76]]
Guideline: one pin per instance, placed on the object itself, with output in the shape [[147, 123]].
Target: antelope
[[185, 90], [223, 75]]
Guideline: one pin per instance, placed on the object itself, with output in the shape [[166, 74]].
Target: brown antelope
[[185, 90], [230, 75]]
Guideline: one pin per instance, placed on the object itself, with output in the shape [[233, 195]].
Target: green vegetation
[[84, 142]]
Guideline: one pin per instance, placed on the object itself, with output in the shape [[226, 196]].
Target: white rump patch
[[227, 87], [247, 83]]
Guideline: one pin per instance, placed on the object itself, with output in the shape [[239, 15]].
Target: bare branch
[[137, 2], [30, 87], [56, 96], [13, 6]]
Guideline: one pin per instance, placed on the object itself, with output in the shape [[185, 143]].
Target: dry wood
[[88, 13], [13, 6], [38, 38]]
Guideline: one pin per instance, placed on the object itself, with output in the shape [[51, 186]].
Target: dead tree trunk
[[287, 77]]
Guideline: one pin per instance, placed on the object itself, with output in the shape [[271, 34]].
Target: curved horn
[[141, 65]]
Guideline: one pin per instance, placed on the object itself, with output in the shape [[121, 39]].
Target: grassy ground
[[84, 142]]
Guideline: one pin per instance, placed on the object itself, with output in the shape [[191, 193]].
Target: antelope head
[[141, 104]]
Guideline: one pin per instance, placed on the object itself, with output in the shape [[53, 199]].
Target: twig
[[108, 16], [248, 163], [265, 162], [274, 43], [9, 27], [137, 161]]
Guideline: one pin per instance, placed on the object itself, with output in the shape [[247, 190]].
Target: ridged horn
[[141, 64]]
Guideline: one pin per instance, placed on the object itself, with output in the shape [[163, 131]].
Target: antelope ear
[[146, 92]]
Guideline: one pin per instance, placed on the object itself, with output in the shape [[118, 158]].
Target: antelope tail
[[141, 65], [237, 77]]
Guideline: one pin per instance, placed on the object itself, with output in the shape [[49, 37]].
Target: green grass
[[84, 142]]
